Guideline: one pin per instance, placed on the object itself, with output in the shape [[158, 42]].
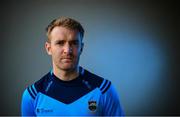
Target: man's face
[[65, 47]]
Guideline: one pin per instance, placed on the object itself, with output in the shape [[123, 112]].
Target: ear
[[82, 46], [48, 48]]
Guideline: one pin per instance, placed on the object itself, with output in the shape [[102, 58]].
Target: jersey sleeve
[[27, 106], [110, 101]]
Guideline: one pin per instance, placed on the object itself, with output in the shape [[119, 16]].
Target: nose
[[67, 48]]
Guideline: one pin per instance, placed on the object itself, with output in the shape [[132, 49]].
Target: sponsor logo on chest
[[43, 110]]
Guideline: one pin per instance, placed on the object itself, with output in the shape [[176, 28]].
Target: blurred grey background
[[135, 44]]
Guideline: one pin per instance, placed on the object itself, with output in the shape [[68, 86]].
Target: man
[[68, 89]]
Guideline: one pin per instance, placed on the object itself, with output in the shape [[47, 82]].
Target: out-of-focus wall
[[132, 43]]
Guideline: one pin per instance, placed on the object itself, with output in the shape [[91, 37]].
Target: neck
[[66, 75]]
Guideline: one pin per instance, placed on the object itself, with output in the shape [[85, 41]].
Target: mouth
[[67, 60]]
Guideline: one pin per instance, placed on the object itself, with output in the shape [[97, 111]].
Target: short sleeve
[[27, 107], [110, 102]]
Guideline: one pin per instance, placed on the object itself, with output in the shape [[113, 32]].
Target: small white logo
[[42, 110]]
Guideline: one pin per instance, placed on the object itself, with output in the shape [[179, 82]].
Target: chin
[[67, 68]]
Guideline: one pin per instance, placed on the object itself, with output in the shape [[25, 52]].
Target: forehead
[[64, 33]]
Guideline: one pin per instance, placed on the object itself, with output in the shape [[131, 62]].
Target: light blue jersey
[[87, 95]]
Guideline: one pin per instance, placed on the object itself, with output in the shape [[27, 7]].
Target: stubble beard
[[68, 68]]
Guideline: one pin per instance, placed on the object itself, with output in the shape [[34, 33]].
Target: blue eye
[[76, 42], [60, 43]]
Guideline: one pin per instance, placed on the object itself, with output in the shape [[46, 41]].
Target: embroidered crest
[[92, 105]]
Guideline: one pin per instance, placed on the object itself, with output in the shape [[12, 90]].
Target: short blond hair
[[67, 23]]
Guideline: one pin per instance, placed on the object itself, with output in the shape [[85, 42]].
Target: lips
[[67, 59]]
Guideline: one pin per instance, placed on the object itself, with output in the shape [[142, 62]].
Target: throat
[[66, 75]]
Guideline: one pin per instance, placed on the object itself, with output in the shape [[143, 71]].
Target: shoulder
[[97, 81], [38, 86]]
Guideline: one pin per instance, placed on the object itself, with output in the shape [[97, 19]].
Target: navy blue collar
[[77, 81]]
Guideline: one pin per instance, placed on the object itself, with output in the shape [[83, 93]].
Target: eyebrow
[[59, 40], [56, 41]]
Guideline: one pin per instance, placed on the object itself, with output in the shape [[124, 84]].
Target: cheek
[[77, 52], [56, 52]]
